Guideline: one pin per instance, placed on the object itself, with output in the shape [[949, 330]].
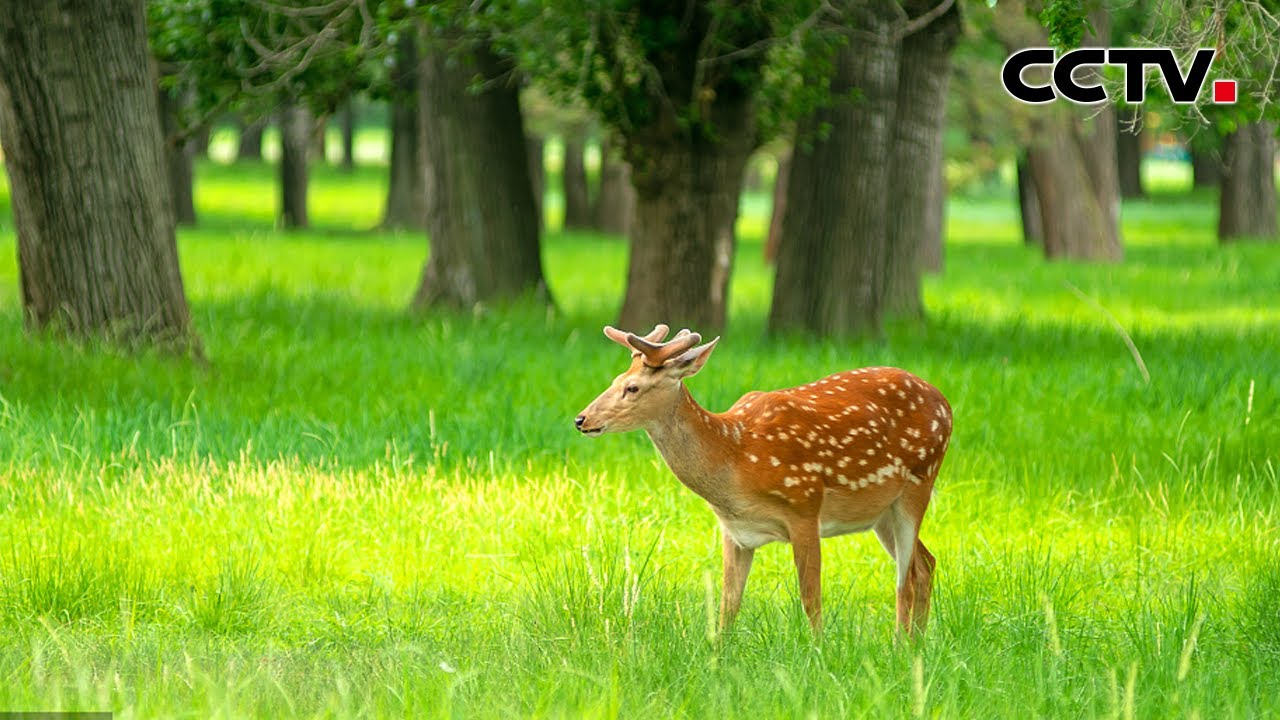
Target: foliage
[[247, 55]]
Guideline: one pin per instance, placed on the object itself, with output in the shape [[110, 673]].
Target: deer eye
[[631, 390]]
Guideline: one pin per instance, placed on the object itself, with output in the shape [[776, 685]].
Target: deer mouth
[[593, 432]]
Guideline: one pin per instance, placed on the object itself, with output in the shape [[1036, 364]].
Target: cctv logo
[[1183, 89]]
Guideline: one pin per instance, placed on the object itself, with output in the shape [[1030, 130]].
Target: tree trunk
[[178, 158], [914, 230], [577, 203], [406, 190], [779, 209], [296, 140], [481, 218], [348, 119], [1247, 206], [200, 140], [1129, 152], [682, 241], [251, 140], [81, 132], [832, 251], [615, 205], [1206, 166], [535, 148], [1028, 205], [1072, 156]]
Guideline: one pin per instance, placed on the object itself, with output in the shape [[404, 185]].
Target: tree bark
[[80, 126], [616, 203], [481, 217], [1206, 156], [535, 148], [348, 120], [406, 190], [779, 209], [1247, 205], [682, 240], [914, 230], [296, 140], [1028, 205], [1129, 152], [178, 158], [1072, 156], [251, 140], [577, 203], [833, 250]]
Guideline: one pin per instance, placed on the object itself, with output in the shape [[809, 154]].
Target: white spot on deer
[[882, 391], [842, 479], [752, 457], [790, 481], [921, 453], [873, 423], [775, 461], [843, 461], [862, 462], [933, 426], [902, 394]]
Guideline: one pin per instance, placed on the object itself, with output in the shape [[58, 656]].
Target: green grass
[[351, 512]]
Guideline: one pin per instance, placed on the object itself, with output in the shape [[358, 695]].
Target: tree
[[179, 154], [615, 204], [1071, 153], [297, 129], [250, 145], [406, 190], [847, 257], [577, 202], [1248, 203], [481, 216], [1129, 151], [680, 85], [80, 127]]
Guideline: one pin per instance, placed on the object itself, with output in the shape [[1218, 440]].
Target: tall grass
[[352, 512]]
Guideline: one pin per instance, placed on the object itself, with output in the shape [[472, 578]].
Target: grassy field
[[355, 513]]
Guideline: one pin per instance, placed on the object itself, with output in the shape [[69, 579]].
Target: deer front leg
[[737, 565], [806, 548]]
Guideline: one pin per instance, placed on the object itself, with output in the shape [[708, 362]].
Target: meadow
[[355, 512]]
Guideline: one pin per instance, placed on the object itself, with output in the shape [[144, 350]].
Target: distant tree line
[[103, 104]]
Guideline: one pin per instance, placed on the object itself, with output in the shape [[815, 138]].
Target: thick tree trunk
[[251, 140], [296, 140], [1247, 206], [832, 252], [81, 132], [481, 219], [682, 241], [1129, 152], [200, 140], [615, 205], [1028, 205], [1072, 157], [916, 165], [348, 120], [535, 147], [779, 209], [577, 202], [406, 190], [1206, 165], [178, 159], [1077, 217]]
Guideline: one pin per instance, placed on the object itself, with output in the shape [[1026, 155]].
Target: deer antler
[[650, 347]]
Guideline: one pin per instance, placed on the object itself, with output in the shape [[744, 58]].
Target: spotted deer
[[854, 451]]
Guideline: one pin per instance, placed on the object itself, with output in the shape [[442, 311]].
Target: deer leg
[[806, 548], [920, 578], [737, 565]]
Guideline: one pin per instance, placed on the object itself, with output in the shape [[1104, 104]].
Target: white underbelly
[[832, 528], [751, 534]]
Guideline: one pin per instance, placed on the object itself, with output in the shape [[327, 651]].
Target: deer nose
[[577, 422]]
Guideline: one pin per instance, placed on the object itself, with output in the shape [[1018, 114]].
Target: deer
[[855, 451]]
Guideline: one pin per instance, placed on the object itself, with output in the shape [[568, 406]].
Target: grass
[[353, 513]]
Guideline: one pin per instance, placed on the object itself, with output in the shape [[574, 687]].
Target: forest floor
[[353, 512]]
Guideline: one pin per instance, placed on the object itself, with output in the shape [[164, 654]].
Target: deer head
[[651, 388]]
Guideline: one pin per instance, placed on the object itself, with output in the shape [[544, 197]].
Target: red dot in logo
[[1224, 91]]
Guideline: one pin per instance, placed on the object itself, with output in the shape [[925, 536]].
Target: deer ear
[[691, 361]]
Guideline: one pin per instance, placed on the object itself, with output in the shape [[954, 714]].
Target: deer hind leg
[[898, 531]]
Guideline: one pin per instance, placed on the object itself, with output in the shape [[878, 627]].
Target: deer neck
[[699, 447]]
